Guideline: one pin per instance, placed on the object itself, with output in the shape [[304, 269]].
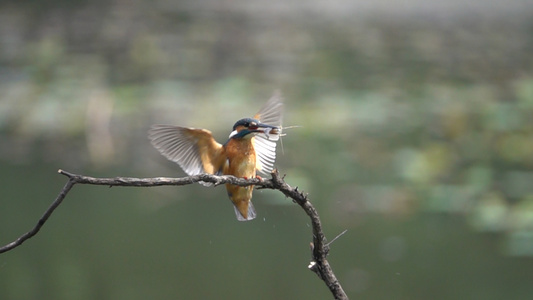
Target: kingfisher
[[250, 148]]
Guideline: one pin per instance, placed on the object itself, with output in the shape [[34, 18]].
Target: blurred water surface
[[417, 137]]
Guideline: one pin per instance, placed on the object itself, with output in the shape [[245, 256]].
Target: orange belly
[[241, 163]]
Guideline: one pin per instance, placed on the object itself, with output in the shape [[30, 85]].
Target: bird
[[250, 148]]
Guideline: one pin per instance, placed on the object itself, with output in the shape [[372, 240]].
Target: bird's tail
[[250, 212]]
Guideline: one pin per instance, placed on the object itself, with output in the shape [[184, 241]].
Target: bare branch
[[42, 220], [319, 246]]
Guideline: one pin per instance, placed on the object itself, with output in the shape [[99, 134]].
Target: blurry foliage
[[440, 108]]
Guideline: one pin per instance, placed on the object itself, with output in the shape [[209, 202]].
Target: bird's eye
[[252, 125]]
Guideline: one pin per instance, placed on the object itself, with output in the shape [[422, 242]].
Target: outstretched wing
[[271, 113], [194, 150], [265, 144]]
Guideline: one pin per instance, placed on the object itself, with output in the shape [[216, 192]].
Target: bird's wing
[[271, 112], [194, 150], [265, 144]]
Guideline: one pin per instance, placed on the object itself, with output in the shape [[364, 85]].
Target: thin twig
[[42, 220], [335, 238], [320, 248]]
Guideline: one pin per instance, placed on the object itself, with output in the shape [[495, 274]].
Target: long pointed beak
[[262, 127]]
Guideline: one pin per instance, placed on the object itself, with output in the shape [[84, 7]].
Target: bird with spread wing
[[251, 147]]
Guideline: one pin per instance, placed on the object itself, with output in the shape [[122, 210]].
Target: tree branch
[[319, 247]]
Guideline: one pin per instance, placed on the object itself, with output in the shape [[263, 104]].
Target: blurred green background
[[417, 137]]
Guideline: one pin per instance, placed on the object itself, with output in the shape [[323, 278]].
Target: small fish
[[272, 134]]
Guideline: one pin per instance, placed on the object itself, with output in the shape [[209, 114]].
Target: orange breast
[[241, 158], [241, 163]]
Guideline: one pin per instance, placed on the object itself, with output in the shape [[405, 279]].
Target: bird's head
[[248, 127]]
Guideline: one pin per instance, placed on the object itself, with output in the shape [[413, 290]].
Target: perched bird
[[251, 147]]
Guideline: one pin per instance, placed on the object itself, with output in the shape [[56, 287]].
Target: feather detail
[[250, 215], [194, 150], [272, 112], [265, 143], [266, 154]]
